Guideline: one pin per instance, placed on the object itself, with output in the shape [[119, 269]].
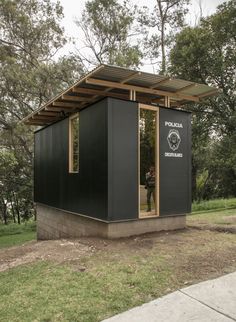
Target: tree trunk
[[18, 215], [4, 211], [163, 53], [13, 211], [5, 214], [17, 209], [35, 213]]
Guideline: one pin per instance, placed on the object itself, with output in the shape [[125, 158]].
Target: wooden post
[[157, 165], [132, 95], [167, 101]]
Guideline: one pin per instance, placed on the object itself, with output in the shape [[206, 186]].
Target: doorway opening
[[148, 141]]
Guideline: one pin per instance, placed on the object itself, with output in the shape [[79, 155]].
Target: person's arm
[[146, 179]]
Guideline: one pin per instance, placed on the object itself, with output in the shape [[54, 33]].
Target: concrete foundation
[[53, 223]]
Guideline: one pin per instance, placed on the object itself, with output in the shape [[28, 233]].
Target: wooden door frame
[[157, 159]]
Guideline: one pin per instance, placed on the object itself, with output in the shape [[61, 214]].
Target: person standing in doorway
[[150, 186]]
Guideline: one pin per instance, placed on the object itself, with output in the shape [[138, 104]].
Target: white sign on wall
[[173, 139]]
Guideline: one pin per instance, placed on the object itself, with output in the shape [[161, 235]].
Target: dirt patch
[[209, 254], [219, 228], [192, 254], [60, 251], [230, 219], [224, 224]]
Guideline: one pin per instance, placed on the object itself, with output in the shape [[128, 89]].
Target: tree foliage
[[161, 25], [107, 28], [147, 134], [30, 74], [206, 54]]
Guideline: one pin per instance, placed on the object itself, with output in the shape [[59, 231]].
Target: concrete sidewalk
[[213, 300]]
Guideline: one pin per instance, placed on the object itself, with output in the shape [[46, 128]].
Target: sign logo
[[173, 139]]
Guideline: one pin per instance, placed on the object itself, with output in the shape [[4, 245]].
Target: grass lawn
[[214, 204], [14, 234], [115, 276], [222, 217]]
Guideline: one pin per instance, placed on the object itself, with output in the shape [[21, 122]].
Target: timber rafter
[[122, 83]]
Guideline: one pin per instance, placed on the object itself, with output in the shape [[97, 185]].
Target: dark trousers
[[150, 193]]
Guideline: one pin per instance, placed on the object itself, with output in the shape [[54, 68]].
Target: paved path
[[213, 300]]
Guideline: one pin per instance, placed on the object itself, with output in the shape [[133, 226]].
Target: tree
[[30, 74], [160, 25], [206, 54], [147, 132], [30, 38], [107, 29], [15, 195]]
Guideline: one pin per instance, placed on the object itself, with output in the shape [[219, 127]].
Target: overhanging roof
[[113, 81]]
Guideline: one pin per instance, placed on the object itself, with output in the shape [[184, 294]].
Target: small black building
[[113, 155]]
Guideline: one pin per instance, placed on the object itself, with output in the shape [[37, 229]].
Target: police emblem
[[173, 139]]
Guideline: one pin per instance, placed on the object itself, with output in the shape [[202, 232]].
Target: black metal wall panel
[[175, 162], [106, 186], [94, 160], [84, 192], [48, 161], [122, 159]]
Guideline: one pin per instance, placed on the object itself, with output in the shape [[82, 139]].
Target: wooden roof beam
[[82, 79], [65, 105], [176, 103], [158, 100], [51, 113], [107, 91], [98, 92], [74, 98], [64, 111], [89, 91], [41, 117], [35, 122], [100, 82], [145, 98]]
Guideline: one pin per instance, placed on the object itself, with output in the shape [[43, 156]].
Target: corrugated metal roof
[[113, 81]]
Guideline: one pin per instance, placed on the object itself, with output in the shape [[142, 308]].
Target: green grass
[[47, 292], [213, 204], [14, 234], [216, 217], [116, 277], [208, 205]]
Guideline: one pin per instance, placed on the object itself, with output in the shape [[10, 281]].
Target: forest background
[[34, 66]]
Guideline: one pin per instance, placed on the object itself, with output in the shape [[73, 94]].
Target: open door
[[148, 141]]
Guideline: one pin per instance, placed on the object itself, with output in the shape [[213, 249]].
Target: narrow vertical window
[[74, 143]]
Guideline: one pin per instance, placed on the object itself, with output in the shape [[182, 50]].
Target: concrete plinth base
[[54, 223]]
